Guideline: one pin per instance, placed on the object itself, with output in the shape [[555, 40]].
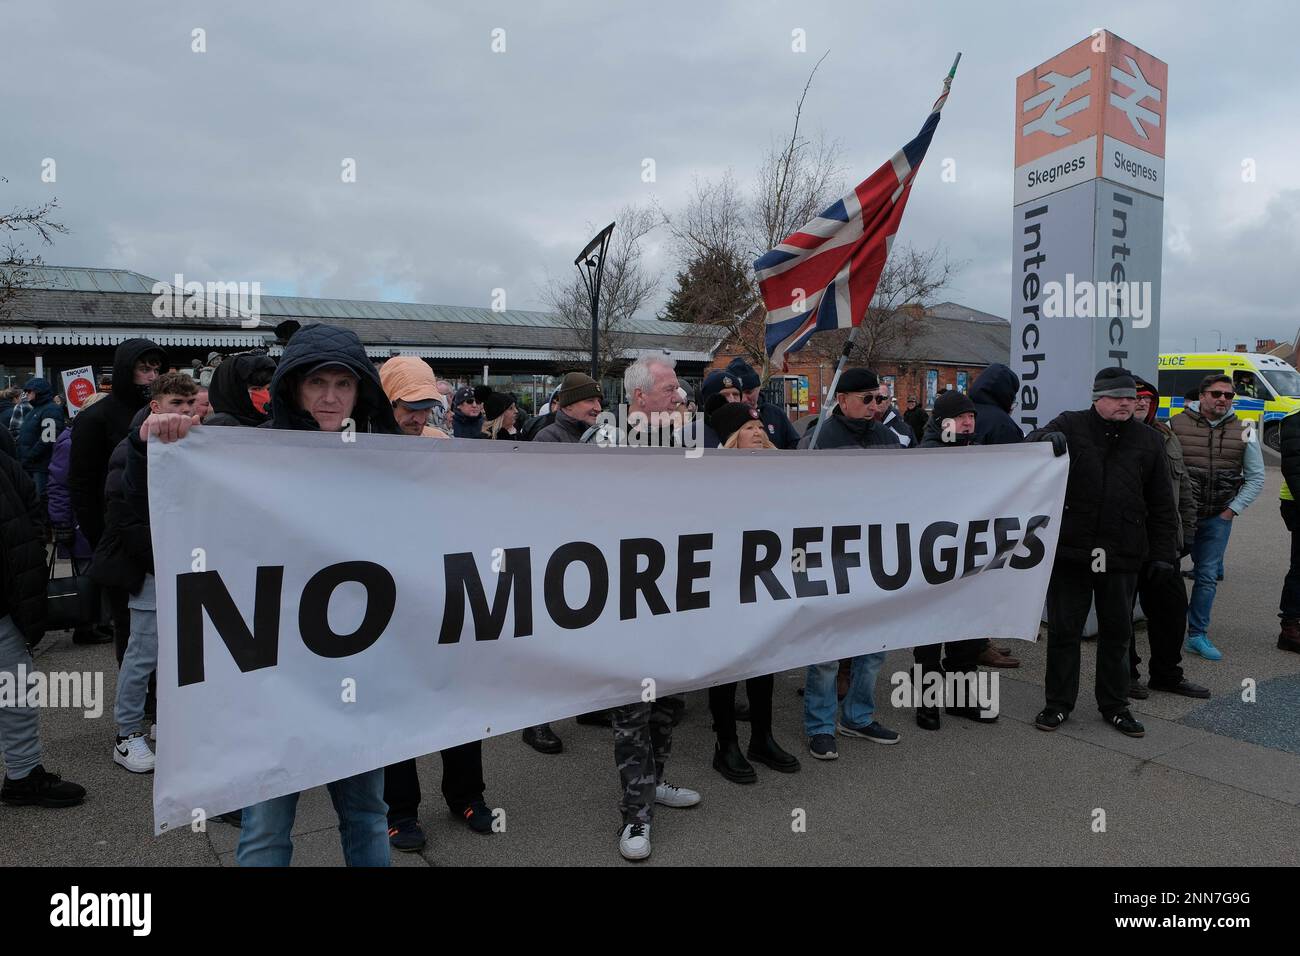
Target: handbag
[[70, 602]]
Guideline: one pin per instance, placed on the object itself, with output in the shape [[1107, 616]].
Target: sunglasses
[[1219, 394], [878, 399]]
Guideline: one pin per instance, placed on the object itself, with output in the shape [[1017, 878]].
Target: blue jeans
[[819, 699], [20, 743], [139, 661], [265, 839], [1208, 547]]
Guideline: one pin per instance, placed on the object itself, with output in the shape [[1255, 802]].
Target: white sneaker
[[634, 841], [134, 754], [671, 796]]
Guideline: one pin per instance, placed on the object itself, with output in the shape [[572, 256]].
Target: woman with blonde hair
[[501, 413], [738, 426]]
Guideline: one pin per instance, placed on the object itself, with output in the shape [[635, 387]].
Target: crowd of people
[[1140, 496]]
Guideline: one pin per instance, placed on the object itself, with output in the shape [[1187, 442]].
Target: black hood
[[996, 385], [124, 388], [309, 347], [228, 390]]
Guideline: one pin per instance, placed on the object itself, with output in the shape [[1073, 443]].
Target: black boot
[[768, 752], [731, 763], [971, 713], [542, 739], [90, 635], [927, 718]]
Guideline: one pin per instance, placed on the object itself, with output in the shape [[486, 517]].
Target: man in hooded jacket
[[35, 443], [136, 363], [994, 394], [324, 381]]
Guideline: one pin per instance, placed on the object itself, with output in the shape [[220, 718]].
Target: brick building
[[949, 346]]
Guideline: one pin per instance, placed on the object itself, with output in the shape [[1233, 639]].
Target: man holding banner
[[324, 382]]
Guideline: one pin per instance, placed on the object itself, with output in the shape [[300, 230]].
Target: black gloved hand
[[1157, 568], [1059, 443]]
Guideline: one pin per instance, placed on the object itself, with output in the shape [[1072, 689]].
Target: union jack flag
[[824, 275]]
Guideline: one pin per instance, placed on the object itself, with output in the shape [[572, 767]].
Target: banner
[[78, 385], [333, 603]]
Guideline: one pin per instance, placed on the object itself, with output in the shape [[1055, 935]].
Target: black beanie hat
[[857, 380], [1114, 382], [951, 404], [729, 418], [497, 404], [745, 372]]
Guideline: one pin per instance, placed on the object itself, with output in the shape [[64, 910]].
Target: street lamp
[[592, 259], [1220, 335]]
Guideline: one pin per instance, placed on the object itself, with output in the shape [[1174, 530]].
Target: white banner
[[326, 607]]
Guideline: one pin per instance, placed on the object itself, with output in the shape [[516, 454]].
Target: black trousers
[[722, 704], [959, 657], [1072, 590], [1164, 599], [1289, 610], [462, 782]]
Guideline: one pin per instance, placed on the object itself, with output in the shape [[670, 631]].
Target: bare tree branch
[[15, 263], [626, 289]]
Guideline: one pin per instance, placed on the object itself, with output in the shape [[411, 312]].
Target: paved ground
[[1213, 782]]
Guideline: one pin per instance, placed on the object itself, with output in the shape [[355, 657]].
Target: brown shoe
[[993, 657], [1289, 639]]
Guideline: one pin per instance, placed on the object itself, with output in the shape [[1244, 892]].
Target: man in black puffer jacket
[[22, 625], [1119, 519], [994, 394], [324, 382]]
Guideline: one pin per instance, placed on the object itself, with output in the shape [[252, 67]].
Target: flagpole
[[828, 408]]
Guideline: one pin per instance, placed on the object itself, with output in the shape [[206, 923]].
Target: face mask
[[261, 397]]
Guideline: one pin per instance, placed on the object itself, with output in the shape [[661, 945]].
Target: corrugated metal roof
[[76, 279]]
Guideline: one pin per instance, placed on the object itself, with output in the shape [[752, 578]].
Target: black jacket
[[780, 432], [916, 419], [23, 571], [1291, 453], [842, 432], [933, 437], [463, 426], [565, 428], [99, 429], [228, 390], [124, 553], [993, 393], [1118, 498]]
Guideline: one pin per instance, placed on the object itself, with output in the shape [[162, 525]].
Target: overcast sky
[[479, 170]]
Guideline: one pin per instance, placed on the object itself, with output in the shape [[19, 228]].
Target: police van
[[1268, 389]]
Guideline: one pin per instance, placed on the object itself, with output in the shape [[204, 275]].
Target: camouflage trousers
[[643, 739]]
